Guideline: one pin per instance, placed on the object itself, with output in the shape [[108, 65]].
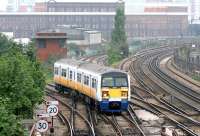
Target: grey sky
[[3, 4]]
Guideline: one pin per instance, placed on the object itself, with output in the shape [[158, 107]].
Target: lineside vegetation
[[118, 48], [21, 85]]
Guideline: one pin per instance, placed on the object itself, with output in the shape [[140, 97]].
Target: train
[[107, 88]]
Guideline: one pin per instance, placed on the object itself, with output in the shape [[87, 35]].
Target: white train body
[[108, 87]]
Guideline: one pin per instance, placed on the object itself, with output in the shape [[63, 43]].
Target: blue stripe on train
[[113, 106]]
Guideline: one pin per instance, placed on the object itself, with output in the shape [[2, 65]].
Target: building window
[[94, 83], [56, 71], [41, 44], [61, 42], [79, 77], [64, 72]]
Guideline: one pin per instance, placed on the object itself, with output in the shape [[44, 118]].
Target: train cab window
[[107, 82], [121, 82], [64, 72], [114, 82], [94, 83], [70, 74], [79, 77], [86, 80], [56, 71]]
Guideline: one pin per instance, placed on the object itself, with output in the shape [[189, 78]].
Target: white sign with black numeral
[[42, 126], [52, 110]]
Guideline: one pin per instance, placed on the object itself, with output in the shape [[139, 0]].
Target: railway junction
[[99, 70], [163, 100]]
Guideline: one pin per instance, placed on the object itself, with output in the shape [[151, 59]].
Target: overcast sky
[[3, 4]]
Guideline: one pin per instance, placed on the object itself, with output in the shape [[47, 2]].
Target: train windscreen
[[114, 82]]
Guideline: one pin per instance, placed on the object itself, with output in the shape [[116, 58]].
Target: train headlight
[[124, 93], [105, 94]]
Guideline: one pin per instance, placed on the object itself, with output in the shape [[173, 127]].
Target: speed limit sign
[[42, 126], [52, 110]]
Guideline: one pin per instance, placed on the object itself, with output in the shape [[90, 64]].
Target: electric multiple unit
[[109, 88]]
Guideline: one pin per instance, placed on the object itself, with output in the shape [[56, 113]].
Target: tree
[[9, 125], [75, 49], [118, 41], [21, 78]]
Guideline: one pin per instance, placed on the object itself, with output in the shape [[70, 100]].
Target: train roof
[[88, 66]]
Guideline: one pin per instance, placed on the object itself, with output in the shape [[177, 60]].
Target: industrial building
[[151, 20], [50, 43]]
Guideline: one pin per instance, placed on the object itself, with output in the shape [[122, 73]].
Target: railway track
[[162, 111], [123, 125], [80, 125], [169, 62], [64, 120], [116, 121], [148, 89], [193, 95], [150, 72]]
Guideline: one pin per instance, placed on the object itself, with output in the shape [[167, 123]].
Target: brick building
[[50, 43]]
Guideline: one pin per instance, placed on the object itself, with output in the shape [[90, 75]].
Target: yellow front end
[[114, 93], [114, 99]]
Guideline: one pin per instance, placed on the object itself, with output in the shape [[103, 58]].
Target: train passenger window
[[107, 82], [94, 83], [70, 74], [56, 71], [79, 77], [64, 72], [121, 82], [86, 80]]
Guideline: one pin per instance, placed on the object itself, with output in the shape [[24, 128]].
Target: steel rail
[[77, 112]]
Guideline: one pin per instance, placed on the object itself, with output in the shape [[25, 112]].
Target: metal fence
[[187, 67]]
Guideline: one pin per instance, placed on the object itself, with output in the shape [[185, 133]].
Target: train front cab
[[115, 92]]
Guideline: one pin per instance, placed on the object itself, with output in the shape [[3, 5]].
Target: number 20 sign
[[52, 110]]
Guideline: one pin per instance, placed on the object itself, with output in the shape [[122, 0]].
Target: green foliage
[[4, 45], [9, 125], [118, 48], [196, 77], [114, 55], [74, 50], [21, 82], [183, 53], [48, 67]]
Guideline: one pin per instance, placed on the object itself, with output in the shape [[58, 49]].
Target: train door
[[67, 78], [93, 86], [59, 74], [71, 85], [90, 84], [75, 79], [86, 85]]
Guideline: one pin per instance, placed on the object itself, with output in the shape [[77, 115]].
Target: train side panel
[[109, 99]]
